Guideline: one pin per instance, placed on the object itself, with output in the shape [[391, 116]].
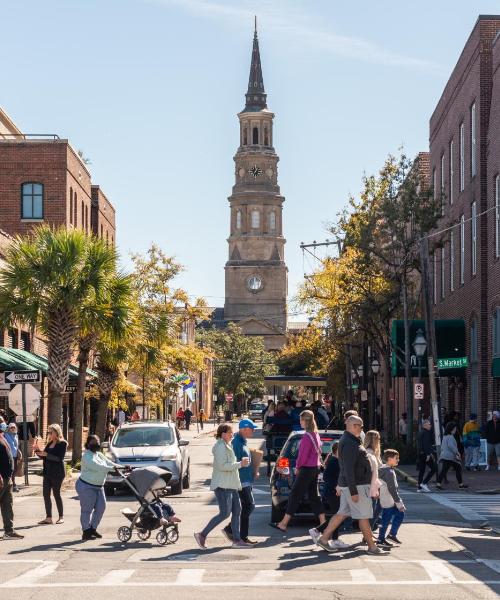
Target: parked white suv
[[146, 444]]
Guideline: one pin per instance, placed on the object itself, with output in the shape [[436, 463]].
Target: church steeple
[[255, 96]]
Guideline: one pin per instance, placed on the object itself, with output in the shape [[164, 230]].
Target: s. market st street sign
[[452, 363]]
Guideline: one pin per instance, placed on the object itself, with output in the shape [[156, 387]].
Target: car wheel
[[186, 481], [276, 514], [109, 490], [176, 488]]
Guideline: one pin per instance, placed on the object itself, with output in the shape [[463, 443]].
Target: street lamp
[[360, 371], [375, 367], [420, 346]]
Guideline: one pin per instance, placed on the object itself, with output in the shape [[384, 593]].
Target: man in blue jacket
[[241, 449]]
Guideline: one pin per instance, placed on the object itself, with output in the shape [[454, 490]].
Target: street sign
[[70, 389], [418, 391], [453, 363], [364, 396], [22, 376], [354, 386], [16, 399]]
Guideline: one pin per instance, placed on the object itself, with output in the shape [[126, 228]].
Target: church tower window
[[238, 219], [245, 136], [255, 136], [266, 137], [272, 220], [255, 219]]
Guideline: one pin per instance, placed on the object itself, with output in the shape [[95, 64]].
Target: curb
[[406, 477]]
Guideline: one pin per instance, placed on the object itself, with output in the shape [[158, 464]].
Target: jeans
[[424, 462], [6, 506], [472, 456], [53, 484], [377, 510], [247, 507], [229, 504], [492, 450], [444, 469], [92, 504], [390, 514], [306, 482]]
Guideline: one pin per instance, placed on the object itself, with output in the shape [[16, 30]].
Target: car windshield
[[258, 407], [143, 436], [292, 448]]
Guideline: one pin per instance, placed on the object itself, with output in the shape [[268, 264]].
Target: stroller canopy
[[149, 479]]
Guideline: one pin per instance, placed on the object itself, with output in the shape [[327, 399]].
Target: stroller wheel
[[161, 537], [143, 534], [172, 535], [124, 533]]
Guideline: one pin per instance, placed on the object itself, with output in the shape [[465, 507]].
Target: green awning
[[12, 359], [495, 367]]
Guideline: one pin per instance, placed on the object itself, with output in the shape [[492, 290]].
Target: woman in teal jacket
[[90, 487], [225, 485]]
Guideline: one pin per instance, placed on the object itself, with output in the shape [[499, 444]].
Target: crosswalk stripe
[[190, 576], [362, 575], [467, 513], [438, 572], [267, 575], [33, 575], [116, 576], [494, 565]]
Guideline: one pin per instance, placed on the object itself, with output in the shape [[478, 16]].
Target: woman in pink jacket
[[307, 468]]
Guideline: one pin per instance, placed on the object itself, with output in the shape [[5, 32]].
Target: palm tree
[[107, 317], [110, 359], [49, 279]]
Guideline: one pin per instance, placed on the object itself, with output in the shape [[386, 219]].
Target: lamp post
[[375, 369], [420, 346], [360, 389]]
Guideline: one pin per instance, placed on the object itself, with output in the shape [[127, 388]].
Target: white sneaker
[[487, 468], [338, 544], [425, 488], [315, 535]]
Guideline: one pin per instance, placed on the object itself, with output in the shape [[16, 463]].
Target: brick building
[[464, 166]]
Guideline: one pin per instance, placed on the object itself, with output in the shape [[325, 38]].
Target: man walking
[[6, 499], [241, 450], [492, 431], [188, 415], [354, 482], [425, 456], [472, 443]]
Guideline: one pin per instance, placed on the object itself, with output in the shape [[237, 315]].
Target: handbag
[[318, 450]]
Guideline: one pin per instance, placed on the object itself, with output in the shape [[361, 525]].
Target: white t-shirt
[[403, 427]]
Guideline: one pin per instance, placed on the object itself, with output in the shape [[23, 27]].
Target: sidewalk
[[479, 482]]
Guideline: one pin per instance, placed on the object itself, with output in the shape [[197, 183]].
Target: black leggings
[[423, 462], [333, 502], [446, 465], [51, 483], [306, 481]]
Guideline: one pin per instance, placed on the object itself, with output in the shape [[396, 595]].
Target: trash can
[[228, 415]]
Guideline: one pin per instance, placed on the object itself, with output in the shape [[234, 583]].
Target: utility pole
[[431, 340]]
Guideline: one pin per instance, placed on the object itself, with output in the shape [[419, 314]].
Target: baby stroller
[[147, 484]]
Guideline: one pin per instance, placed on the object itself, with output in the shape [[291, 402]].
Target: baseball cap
[[247, 423]]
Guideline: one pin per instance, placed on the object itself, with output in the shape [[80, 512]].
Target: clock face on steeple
[[255, 171], [254, 283]]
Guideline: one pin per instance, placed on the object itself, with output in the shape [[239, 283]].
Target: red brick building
[[464, 166]]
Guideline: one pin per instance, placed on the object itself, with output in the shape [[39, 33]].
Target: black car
[[283, 474]]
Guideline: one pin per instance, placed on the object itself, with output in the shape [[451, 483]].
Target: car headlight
[[168, 456]]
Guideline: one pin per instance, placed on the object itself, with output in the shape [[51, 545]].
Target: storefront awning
[[12, 359]]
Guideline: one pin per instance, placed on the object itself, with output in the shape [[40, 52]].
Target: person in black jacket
[[492, 434], [6, 500], [54, 471], [426, 458]]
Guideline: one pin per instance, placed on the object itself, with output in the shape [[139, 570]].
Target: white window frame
[[473, 141], [473, 236], [272, 221], [451, 172], [238, 219], [255, 219], [462, 158], [462, 249], [442, 184], [497, 216], [443, 272], [452, 261]]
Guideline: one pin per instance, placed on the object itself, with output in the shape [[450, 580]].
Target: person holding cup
[[225, 484]]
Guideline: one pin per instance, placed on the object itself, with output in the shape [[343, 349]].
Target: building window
[[32, 201], [238, 219], [434, 188], [83, 215], [12, 338], [266, 137], [71, 205], [452, 261], [272, 220], [443, 279], [462, 158], [255, 219], [75, 209], [107, 238], [245, 136], [474, 238], [255, 136], [497, 216], [102, 231], [434, 277], [451, 172], [473, 166], [462, 249], [25, 341], [442, 185], [87, 219]]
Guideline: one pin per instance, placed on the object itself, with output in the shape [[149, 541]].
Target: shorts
[[362, 509]]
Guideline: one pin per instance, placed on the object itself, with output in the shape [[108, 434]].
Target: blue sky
[[149, 90]]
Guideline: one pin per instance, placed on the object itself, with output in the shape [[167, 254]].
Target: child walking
[[393, 509]]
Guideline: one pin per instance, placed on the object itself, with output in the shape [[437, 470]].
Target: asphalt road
[[441, 556]]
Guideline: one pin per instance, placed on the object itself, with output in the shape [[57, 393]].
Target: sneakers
[[200, 540], [376, 551], [423, 488], [251, 542], [326, 546], [95, 533], [16, 489], [384, 544], [394, 539], [463, 486], [439, 486], [338, 545], [228, 534], [12, 535], [88, 534], [315, 535], [241, 544]]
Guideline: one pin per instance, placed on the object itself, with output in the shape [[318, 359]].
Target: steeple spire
[[256, 95]]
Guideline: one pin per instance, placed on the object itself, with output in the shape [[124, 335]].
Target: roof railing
[[29, 136]]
